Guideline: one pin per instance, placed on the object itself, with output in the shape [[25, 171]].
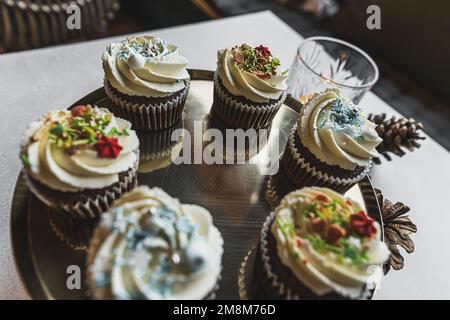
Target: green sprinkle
[[321, 246], [80, 142], [350, 252], [57, 130], [25, 160], [115, 132], [60, 143]]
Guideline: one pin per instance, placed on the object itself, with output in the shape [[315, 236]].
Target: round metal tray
[[233, 193]]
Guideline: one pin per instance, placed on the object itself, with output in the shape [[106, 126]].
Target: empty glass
[[323, 62]]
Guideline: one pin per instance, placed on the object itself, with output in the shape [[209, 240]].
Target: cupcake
[[150, 246], [147, 81], [78, 161], [248, 87], [319, 245], [331, 145]]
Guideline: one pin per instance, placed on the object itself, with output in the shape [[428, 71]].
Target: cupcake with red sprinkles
[[249, 87], [78, 161], [319, 245]]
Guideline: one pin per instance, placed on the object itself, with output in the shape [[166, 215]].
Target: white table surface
[[36, 81]]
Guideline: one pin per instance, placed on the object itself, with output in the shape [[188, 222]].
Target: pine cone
[[397, 230], [397, 133]]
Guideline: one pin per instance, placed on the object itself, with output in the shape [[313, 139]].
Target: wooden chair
[[26, 24]]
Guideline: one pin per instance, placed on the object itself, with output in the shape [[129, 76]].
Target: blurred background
[[412, 48]]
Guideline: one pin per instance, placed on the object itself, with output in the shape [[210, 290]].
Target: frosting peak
[[145, 66], [251, 72], [337, 131]]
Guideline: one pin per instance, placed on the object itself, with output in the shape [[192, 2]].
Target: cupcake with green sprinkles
[[149, 246], [249, 87], [78, 161], [318, 244]]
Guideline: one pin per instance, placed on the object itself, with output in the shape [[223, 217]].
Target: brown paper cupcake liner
[[302, 173], [150, 117], [241, 115], [269, 283], [86, 204], [75, 233], [278, 185]]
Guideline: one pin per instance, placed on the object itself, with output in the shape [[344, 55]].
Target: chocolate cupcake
[[331, 145], [248, 88], [150, 246], [319, 245], [78, 161], [147, 81]]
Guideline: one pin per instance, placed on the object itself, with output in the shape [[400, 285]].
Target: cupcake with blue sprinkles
[[149, 246], [331, 145], [147, 80]]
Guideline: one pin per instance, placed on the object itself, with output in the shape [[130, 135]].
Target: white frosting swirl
[[336, 131], [64, 171], [145, 66], [149, 246], [324, 272], [243, 83]]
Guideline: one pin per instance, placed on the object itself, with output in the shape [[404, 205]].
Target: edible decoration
[[153, 247], [145, 66], [329, 242], [397, 230], [85, 147], [397, 134], [251, 72], [336, 131], [362, 224], [107, 147]]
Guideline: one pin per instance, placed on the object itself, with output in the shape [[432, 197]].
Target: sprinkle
[[107, 147]]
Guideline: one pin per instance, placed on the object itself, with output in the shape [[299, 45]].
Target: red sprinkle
[[335, 233], [299, 242], [78, 111], [322, 197], [107, 147], [264, 51], [239, 58], [362, 224], [317, 224]]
